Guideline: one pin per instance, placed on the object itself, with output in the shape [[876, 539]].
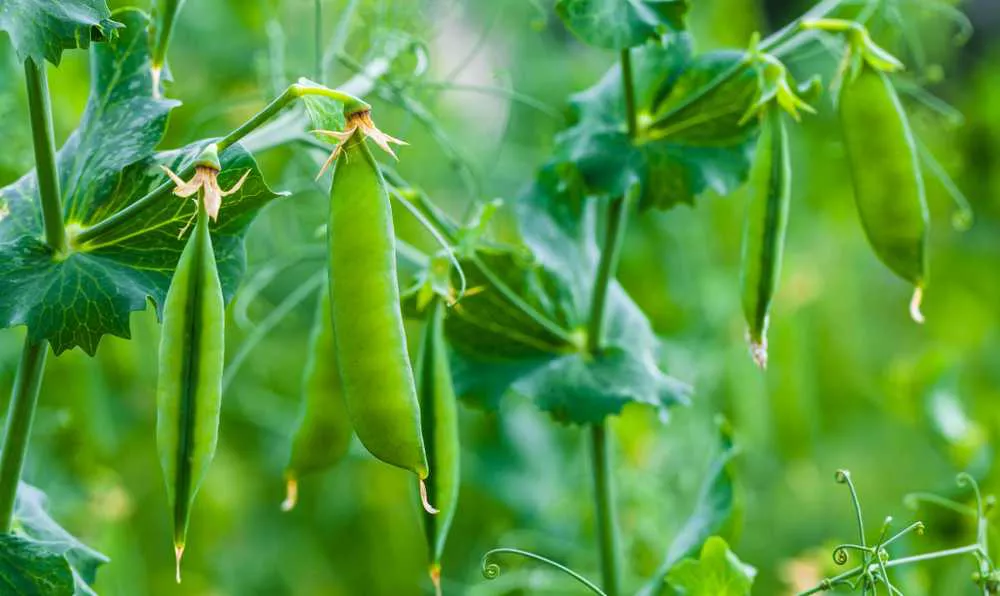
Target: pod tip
[[435, 574], [918, 297], [156, 71], [423, 499], [758, 349], [178, 553], [291, 494]]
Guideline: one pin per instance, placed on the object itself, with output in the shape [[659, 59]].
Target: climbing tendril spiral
[[491, 570]]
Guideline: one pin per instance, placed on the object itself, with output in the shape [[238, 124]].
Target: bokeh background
[[852, 383]]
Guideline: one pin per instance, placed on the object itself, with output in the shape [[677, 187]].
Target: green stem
[[20, 414], [45, 154], [617, 221], [293, 92], [607, 526], [828, 584]]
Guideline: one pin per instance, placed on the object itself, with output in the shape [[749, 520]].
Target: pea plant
[[108, 222]]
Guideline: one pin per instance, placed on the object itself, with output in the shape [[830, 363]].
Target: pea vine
[[875, 559], [109, 223]]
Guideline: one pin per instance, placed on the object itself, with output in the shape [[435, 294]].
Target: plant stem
[[20, 414], [45, 154], [604, 497], [600, 434], [293, 92], [830, 583]]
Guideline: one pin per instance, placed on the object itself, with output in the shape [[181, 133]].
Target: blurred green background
[[852, 383]]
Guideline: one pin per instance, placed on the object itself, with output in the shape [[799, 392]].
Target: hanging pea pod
[[764, 230], [375, 367], [888, 186], [323, 435], [161, 29], [439, 415], [189, 387]]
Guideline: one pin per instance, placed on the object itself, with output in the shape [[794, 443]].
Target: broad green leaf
[[498, 349], [620, 24], [714, 514], [32, 520], [584, 390], [690, 138], [42, 29], [718, 572], [106, 165], [30, 569]]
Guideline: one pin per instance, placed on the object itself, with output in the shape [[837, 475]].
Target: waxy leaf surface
[[107, 164]]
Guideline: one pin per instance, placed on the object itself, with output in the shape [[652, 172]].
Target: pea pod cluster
[[764, 230], [189, 386], [439, 415], [888, 186], [376, 375], [323, 434]]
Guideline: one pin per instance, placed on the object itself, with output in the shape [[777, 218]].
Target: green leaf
[[42, 29], [498, 349], [690, 138], [106, 165], [718, 572], [715, 511], [29, 569], [324, 112], [32, 520], [620, 24]]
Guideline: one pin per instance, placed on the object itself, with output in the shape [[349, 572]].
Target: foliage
[[665, 109]]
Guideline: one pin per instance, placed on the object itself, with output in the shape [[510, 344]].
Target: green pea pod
[[439, 414], [160, 31], [888, 187], [189, 387], [367, 321], [764, 230], [324, 430]]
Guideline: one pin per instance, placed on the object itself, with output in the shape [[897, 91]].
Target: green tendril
[[844, 477], [491, 570]]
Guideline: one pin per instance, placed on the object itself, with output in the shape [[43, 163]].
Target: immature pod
[[189, 387], [764, 229], [439, 414], [160, 31], [323, 434], [375, 367], [888, 187]]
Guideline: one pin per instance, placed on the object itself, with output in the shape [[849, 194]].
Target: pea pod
[[439, 415], [323, 434], [888, 187], [160, 31], [189, 387], [375, 367], [764, 230]]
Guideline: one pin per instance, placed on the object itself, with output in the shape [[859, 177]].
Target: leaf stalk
[[20, 414], [43, 140]]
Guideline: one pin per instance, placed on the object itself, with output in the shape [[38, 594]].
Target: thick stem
[[604, 499], [45, 154], [613, 238], [604, 494], [293, 92], [20, 414]]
